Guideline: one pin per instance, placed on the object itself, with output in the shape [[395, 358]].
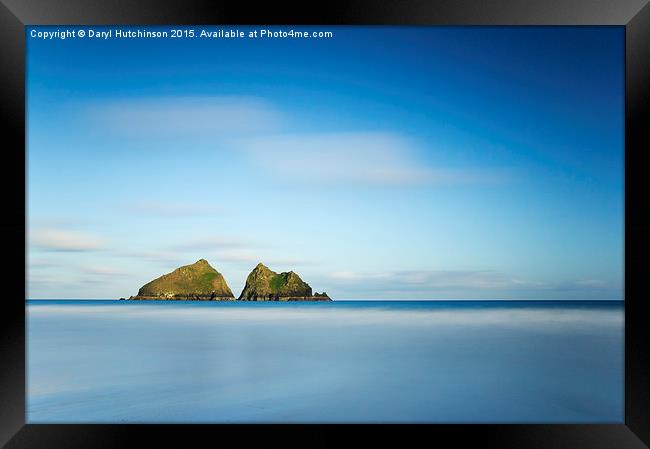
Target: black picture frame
[[634, 15]]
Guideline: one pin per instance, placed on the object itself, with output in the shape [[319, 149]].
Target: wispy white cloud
[[173, 258], [77, 276], [591, 283], [185, 116], [236, 250], [103, 271], [157, 209], [211, 243], [40, 263], [164, 258], [357, 157], [249, 257], [60, 222], [434, 279], [464, 284], [237, 255], [255, 127], [65, 240]]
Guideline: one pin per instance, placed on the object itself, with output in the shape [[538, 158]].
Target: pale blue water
[[479, 361]]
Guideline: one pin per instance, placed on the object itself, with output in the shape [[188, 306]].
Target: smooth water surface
[[345, 361]]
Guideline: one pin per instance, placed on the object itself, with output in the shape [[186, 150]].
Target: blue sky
[[383, 162]]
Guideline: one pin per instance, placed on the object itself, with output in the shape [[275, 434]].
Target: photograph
[[325, 224]]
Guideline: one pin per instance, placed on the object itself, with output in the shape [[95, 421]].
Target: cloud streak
[[435, 279], [253, 127], [65, 241], [211, 243], [156, 209], [185, 116], [464, 284], [165, 258], [375, 158], [103, 271]]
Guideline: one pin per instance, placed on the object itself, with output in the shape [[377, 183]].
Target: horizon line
[[342, 300]]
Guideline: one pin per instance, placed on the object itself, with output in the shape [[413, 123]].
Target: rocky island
[[262, 284], [198, 281]]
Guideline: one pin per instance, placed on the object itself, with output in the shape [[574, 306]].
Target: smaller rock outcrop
[[263, 284]]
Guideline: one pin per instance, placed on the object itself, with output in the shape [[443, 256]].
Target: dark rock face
[[263, 284], [198, 281]]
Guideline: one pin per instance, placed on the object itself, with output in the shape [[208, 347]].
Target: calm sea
[[344, 361]]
